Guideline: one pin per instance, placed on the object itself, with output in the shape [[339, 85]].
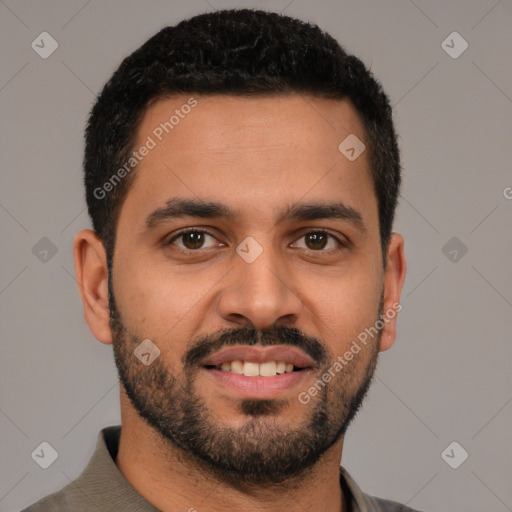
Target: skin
[[255, 155]]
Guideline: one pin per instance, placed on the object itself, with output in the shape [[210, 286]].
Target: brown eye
[[319, 240], [316, 240], [191, 240]]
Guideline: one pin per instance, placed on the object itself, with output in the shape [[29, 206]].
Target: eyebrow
[[176, 208]]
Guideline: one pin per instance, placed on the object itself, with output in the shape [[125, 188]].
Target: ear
[[92, 277], [394, 277]]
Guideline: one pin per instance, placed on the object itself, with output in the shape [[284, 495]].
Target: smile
[[257, 371], [252, 369]]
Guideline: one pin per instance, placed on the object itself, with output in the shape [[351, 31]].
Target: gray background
[[448, 377]]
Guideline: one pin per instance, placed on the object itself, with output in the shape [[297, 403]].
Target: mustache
[[206, 345]]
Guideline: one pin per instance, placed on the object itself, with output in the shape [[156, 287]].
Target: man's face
[[269, 284]]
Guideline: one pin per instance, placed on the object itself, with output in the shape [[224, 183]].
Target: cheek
[[344, 307], [159, 300], [150, 304]]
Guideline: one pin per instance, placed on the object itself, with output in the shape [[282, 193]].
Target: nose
[[260, 293]]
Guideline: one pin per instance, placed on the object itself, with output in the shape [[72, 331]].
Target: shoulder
[[363, 502], [56, 502], [381, 505]]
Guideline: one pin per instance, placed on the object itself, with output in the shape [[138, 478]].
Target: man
[[242, 174]]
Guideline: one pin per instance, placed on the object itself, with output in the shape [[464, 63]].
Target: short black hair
[[232, 52]]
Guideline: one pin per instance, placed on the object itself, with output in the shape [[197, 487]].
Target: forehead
[[253, 154]]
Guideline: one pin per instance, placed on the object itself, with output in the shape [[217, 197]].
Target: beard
[[261, 450]]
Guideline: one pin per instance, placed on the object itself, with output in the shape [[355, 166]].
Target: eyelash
[[204, 231]]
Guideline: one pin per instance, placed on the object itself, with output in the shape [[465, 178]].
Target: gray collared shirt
[[102, 488]]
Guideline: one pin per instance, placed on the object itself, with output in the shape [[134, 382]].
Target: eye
[[194, 239], [191, 239], [319, 240]]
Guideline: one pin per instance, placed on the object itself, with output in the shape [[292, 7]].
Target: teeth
[[237, 367], [268, 369], [250, 369]]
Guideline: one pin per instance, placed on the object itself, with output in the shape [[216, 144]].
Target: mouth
[[258, 372], [252, 369]]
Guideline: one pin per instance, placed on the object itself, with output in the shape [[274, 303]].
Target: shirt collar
[[102, 482]]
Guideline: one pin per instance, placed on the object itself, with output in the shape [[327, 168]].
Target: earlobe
[[394, 277], [92, 277]]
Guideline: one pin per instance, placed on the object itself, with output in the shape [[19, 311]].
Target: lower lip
[[258, 387]]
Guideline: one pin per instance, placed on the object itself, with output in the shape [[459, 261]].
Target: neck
[[171, 480]]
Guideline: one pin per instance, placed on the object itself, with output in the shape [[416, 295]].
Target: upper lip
[[259, 354]]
